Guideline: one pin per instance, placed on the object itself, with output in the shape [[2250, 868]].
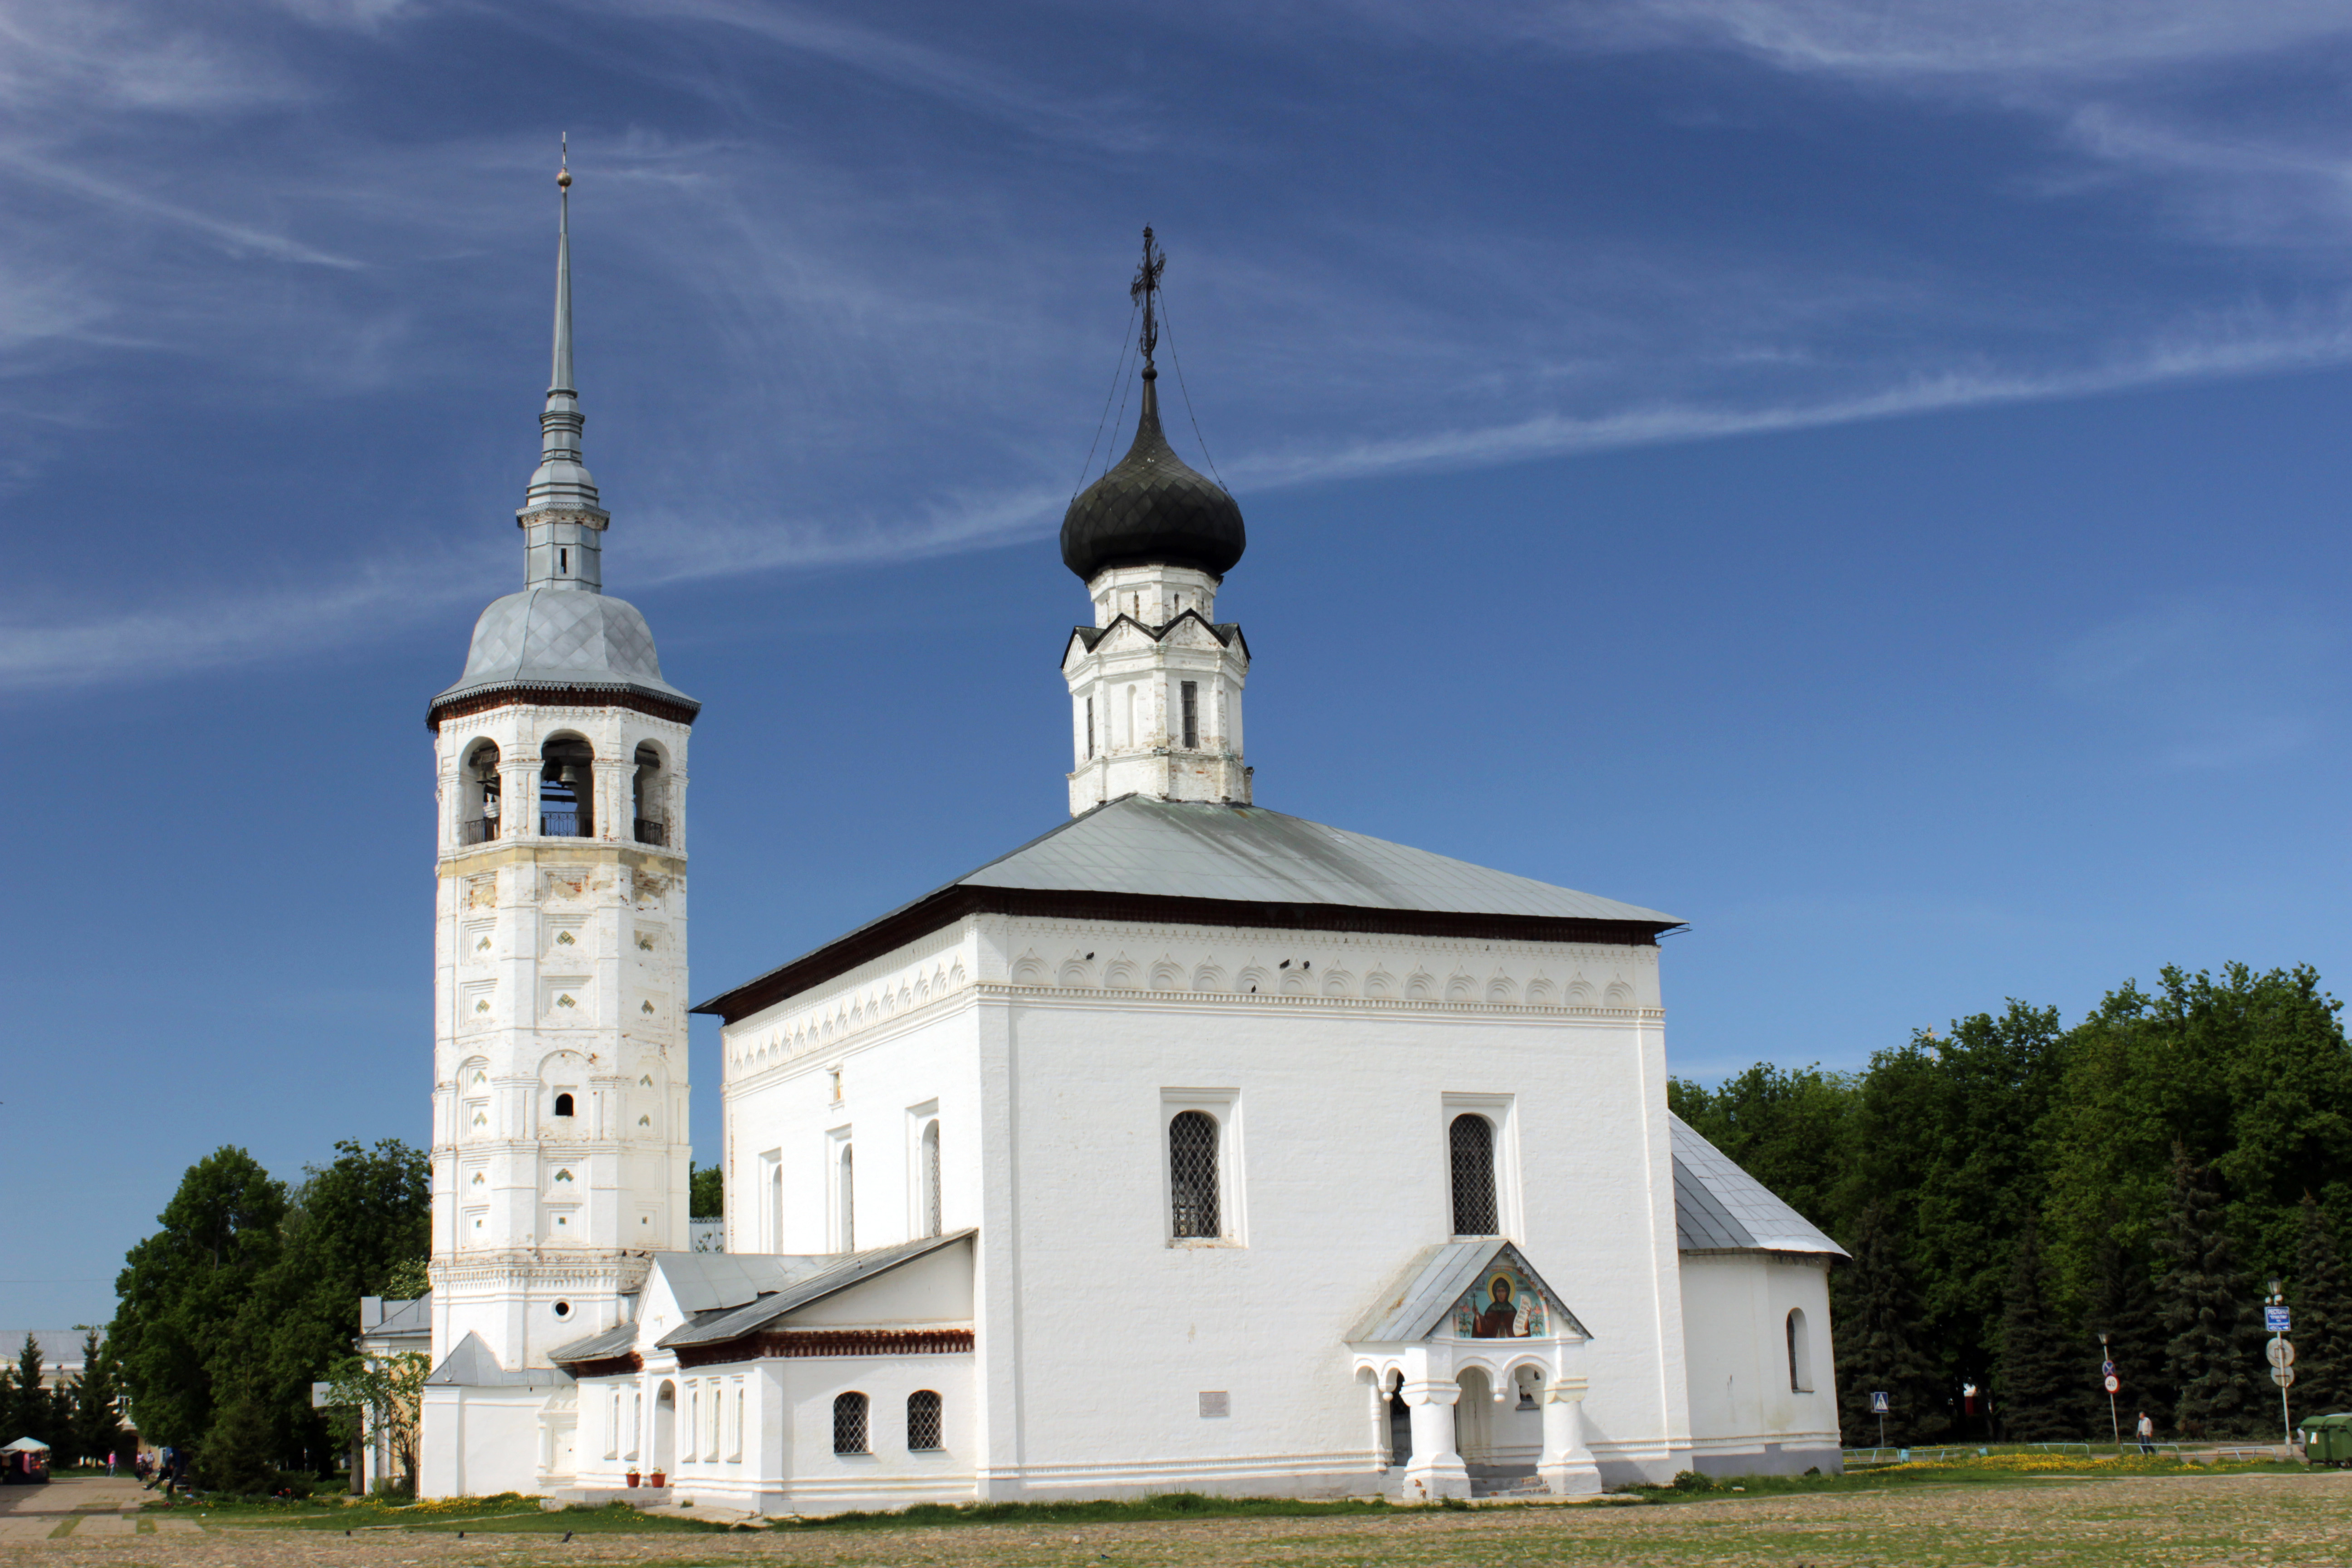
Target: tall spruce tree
[[35, 1410], [2036, 1380], [2208, 1312], [96, 1422], [2322, 1318], [2122, 1306], [1877, 1312]]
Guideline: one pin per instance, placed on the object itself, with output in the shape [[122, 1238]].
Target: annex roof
[[1418, 1298], [614, 1340], [380, 1319], [1143, 858], [836, 1272], [1718, 1207], [60, 1348], [471, 1365]]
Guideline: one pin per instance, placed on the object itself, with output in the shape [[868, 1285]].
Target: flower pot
[[632, 1478], [661, 1478]]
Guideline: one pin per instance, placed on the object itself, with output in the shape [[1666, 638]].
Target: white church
[[1188, 1146]]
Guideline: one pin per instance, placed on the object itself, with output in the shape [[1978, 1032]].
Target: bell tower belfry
[[560, 1151]]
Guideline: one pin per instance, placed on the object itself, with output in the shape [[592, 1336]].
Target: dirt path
[[2194, 1521]]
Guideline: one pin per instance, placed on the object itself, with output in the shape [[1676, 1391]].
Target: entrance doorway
[[1400, 1427]]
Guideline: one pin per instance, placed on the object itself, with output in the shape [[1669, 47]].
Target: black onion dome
[[1151, 509]]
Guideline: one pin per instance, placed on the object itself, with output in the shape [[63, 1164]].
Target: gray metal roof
[[701, 1281], [1420, 1296], [60, 1348], [838, 1272], [380, 1319], [471, 1365], [1718, 1207], [596, 1347], [549, 635], [1144, 847], [1174, 849]]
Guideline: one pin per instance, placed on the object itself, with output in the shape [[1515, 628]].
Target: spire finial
[[1145, 289], [561, 379]]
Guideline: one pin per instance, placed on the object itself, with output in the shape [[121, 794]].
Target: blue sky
[[1868, 479]]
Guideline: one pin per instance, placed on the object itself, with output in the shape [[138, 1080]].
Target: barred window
[[1473, 1139], [1090, 726], [849, 1424], [923, 1421], [932, 1178], [1192, 1174], [1191, 696]]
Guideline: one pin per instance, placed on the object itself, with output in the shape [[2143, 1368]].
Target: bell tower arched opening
[[478, 812], [567, 788]]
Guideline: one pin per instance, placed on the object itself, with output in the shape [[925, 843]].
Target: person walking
[[2146, 1432], [109, 1464]]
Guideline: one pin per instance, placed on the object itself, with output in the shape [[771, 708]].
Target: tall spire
[[561, 379], [561, 517]]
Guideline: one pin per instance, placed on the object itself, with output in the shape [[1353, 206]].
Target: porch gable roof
[[1418, 1297]]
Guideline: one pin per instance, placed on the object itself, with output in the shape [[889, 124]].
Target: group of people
[[167, 1468]]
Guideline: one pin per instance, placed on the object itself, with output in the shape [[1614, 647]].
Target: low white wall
[[1746, 1418]]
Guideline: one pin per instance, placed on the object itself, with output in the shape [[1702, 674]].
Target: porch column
[[1435, 1470], [1565, 1468]]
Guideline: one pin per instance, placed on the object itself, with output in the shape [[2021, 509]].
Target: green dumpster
[[2327, 1439]]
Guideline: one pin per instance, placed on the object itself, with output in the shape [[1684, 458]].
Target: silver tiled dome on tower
[[562, 631]]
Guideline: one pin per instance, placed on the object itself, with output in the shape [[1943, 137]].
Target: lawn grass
[[505, 1514]]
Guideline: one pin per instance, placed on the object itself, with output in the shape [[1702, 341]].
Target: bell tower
[[559, 1153]]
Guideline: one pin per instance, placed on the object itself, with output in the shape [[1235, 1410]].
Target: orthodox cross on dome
[[1145, 290]]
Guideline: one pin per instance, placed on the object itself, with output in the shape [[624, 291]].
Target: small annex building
[[1190, 1145]]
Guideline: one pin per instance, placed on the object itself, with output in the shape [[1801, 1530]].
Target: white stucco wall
[[1746, 1418], [1054, 1052]]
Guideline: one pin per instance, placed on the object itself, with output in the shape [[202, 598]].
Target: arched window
[[923, 1421], [567, 789], [478, 822], [1192, 1174], [1801, 1354], [645, 797], [932, 1181], [849, 1424], [563, 1105], [1472, 1141], [848, 1201]]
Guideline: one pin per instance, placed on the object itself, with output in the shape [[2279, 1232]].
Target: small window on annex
[[849, 1424], [923, 1421], [1801, 1354], [1192, 1195], [1471, 1146]]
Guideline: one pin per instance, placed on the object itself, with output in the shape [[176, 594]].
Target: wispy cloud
[[2205, 684]]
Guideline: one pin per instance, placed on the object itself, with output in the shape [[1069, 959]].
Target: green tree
[[2122, 1306], [184, 1290], [1874, 1313], [1947, 1135], [95, 1422], [706, 1195], [36, 1407], [236, 1451], [2038, 1384], [2323, 1317], [385, 1400], [2207, 1312], [352, 1228]]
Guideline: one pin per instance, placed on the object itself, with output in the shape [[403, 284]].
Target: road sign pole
[[2281, 1356], [2106, 1376]]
